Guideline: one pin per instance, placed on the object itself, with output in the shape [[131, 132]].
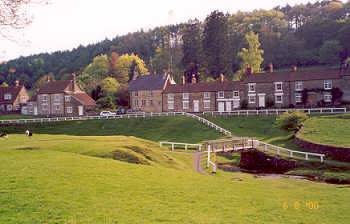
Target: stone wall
[[333, 152]]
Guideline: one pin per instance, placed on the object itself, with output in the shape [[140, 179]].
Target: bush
[[291, 121], [244, 104]]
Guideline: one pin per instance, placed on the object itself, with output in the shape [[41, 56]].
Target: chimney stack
[[194, 80], [183, 80], [222, 77], [17, 83], [294, 68], [48, 79], [249, 70], [270, 67]]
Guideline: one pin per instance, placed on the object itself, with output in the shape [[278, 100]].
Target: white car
[[107, 113]]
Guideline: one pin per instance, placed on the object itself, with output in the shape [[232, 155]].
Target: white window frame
[[221, 94], [206, 95], [69, 110], [56, 97], [298, 98], [250, 89], [328, 84], [206, 104], [277, 84], [299, 85], [45, 107], [171, 96], [327, 97], [279, 101], [67, 98], [171, 105], [185, 104], [7, 96], [57, 107], [45, 98], [235, 94], [185, 96], [250, 97], [9, 107], [136, 93]]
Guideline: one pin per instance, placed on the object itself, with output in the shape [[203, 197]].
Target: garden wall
[[336, 153]]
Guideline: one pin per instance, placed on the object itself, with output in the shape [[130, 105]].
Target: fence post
[[208, 156], [291, 154], [306, 156], [172, 146], [322, 159]]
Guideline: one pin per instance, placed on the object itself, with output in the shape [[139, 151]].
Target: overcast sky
[[65, 24]]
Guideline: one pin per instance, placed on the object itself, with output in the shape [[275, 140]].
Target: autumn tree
[[43, 80], [127, 66], [252, 55], [109, 86]]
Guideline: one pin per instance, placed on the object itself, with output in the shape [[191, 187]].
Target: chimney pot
[[222, 77], [194, 80], [183, 80], [294, 68], [270, 67], [17, 83]]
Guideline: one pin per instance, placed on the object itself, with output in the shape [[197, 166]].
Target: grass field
[[329, 130], [73, 179]]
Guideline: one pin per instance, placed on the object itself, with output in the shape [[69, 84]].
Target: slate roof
[[148, 82], [293, 76], [55, 87], [203, 87], [84, 99], [13, 90]]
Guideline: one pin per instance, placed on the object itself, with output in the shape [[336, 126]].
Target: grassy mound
[[181, 129], [328, 130], [63, 180]]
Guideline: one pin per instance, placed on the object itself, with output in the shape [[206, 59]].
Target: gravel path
[[197, 162]]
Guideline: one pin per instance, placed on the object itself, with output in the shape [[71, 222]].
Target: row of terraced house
[[159, 93]]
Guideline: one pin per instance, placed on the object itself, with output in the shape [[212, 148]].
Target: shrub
[[244, 104], [291, 121]]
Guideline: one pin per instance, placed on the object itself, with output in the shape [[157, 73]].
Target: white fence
[[210, 124], [185, 145], [278, 111]]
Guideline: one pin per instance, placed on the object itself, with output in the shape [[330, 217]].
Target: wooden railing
[[277, 111], [209, 124], [184, 145]]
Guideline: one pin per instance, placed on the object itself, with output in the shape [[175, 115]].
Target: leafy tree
[[109, 86], [106, 103], [43, 80], [4, 84], [329, 52], [252, 56], [127, 66], [216, 44], [291, 121]]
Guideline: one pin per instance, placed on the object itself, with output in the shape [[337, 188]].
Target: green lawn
[[72, 179], [181, 129], [329, 130], [14, 116]]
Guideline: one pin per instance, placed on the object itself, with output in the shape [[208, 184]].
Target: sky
[[65, 24]]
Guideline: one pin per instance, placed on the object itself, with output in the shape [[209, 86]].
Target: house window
[[299, 86], [221, 94], [251, 87], [69, 110], [279, 98], [170, 96], [136, 103], [67, 98], [235, 94], [9, 107], [298, 98], [206, 95], [252, 99], [327, 97], [44, 107], [206, 104], [44, 98], [151, 102], [185, 96], [278, 86], [185, 105], [328, 84], [7, 96], [57, 107], [57, 97], [143, 103], [136, 94], [151, 93], [170, 105]]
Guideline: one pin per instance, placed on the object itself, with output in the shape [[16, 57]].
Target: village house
[[146, 92], [12, 98], [60, 98], [221, 95]]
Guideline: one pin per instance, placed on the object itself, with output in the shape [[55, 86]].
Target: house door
[[80, 110], [221, 106], [236, 104], [262, 100], [35, 110], [195, 106], [229, 106]]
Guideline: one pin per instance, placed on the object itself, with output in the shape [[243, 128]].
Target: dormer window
[[185, 96], [328, 84], [278, 86], [251, 87], [7, 96], [221, 94], [298, 86]]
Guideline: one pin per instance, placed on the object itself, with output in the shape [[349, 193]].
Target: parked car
[[107, 113], [121, 111], [133, 111]]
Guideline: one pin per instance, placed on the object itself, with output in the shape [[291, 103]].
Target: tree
[[14, 15], [329, 52], [106, 102], [252, 56], [216, 44], [43, 80], [109, 86], [127, 66], [4, 84]]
